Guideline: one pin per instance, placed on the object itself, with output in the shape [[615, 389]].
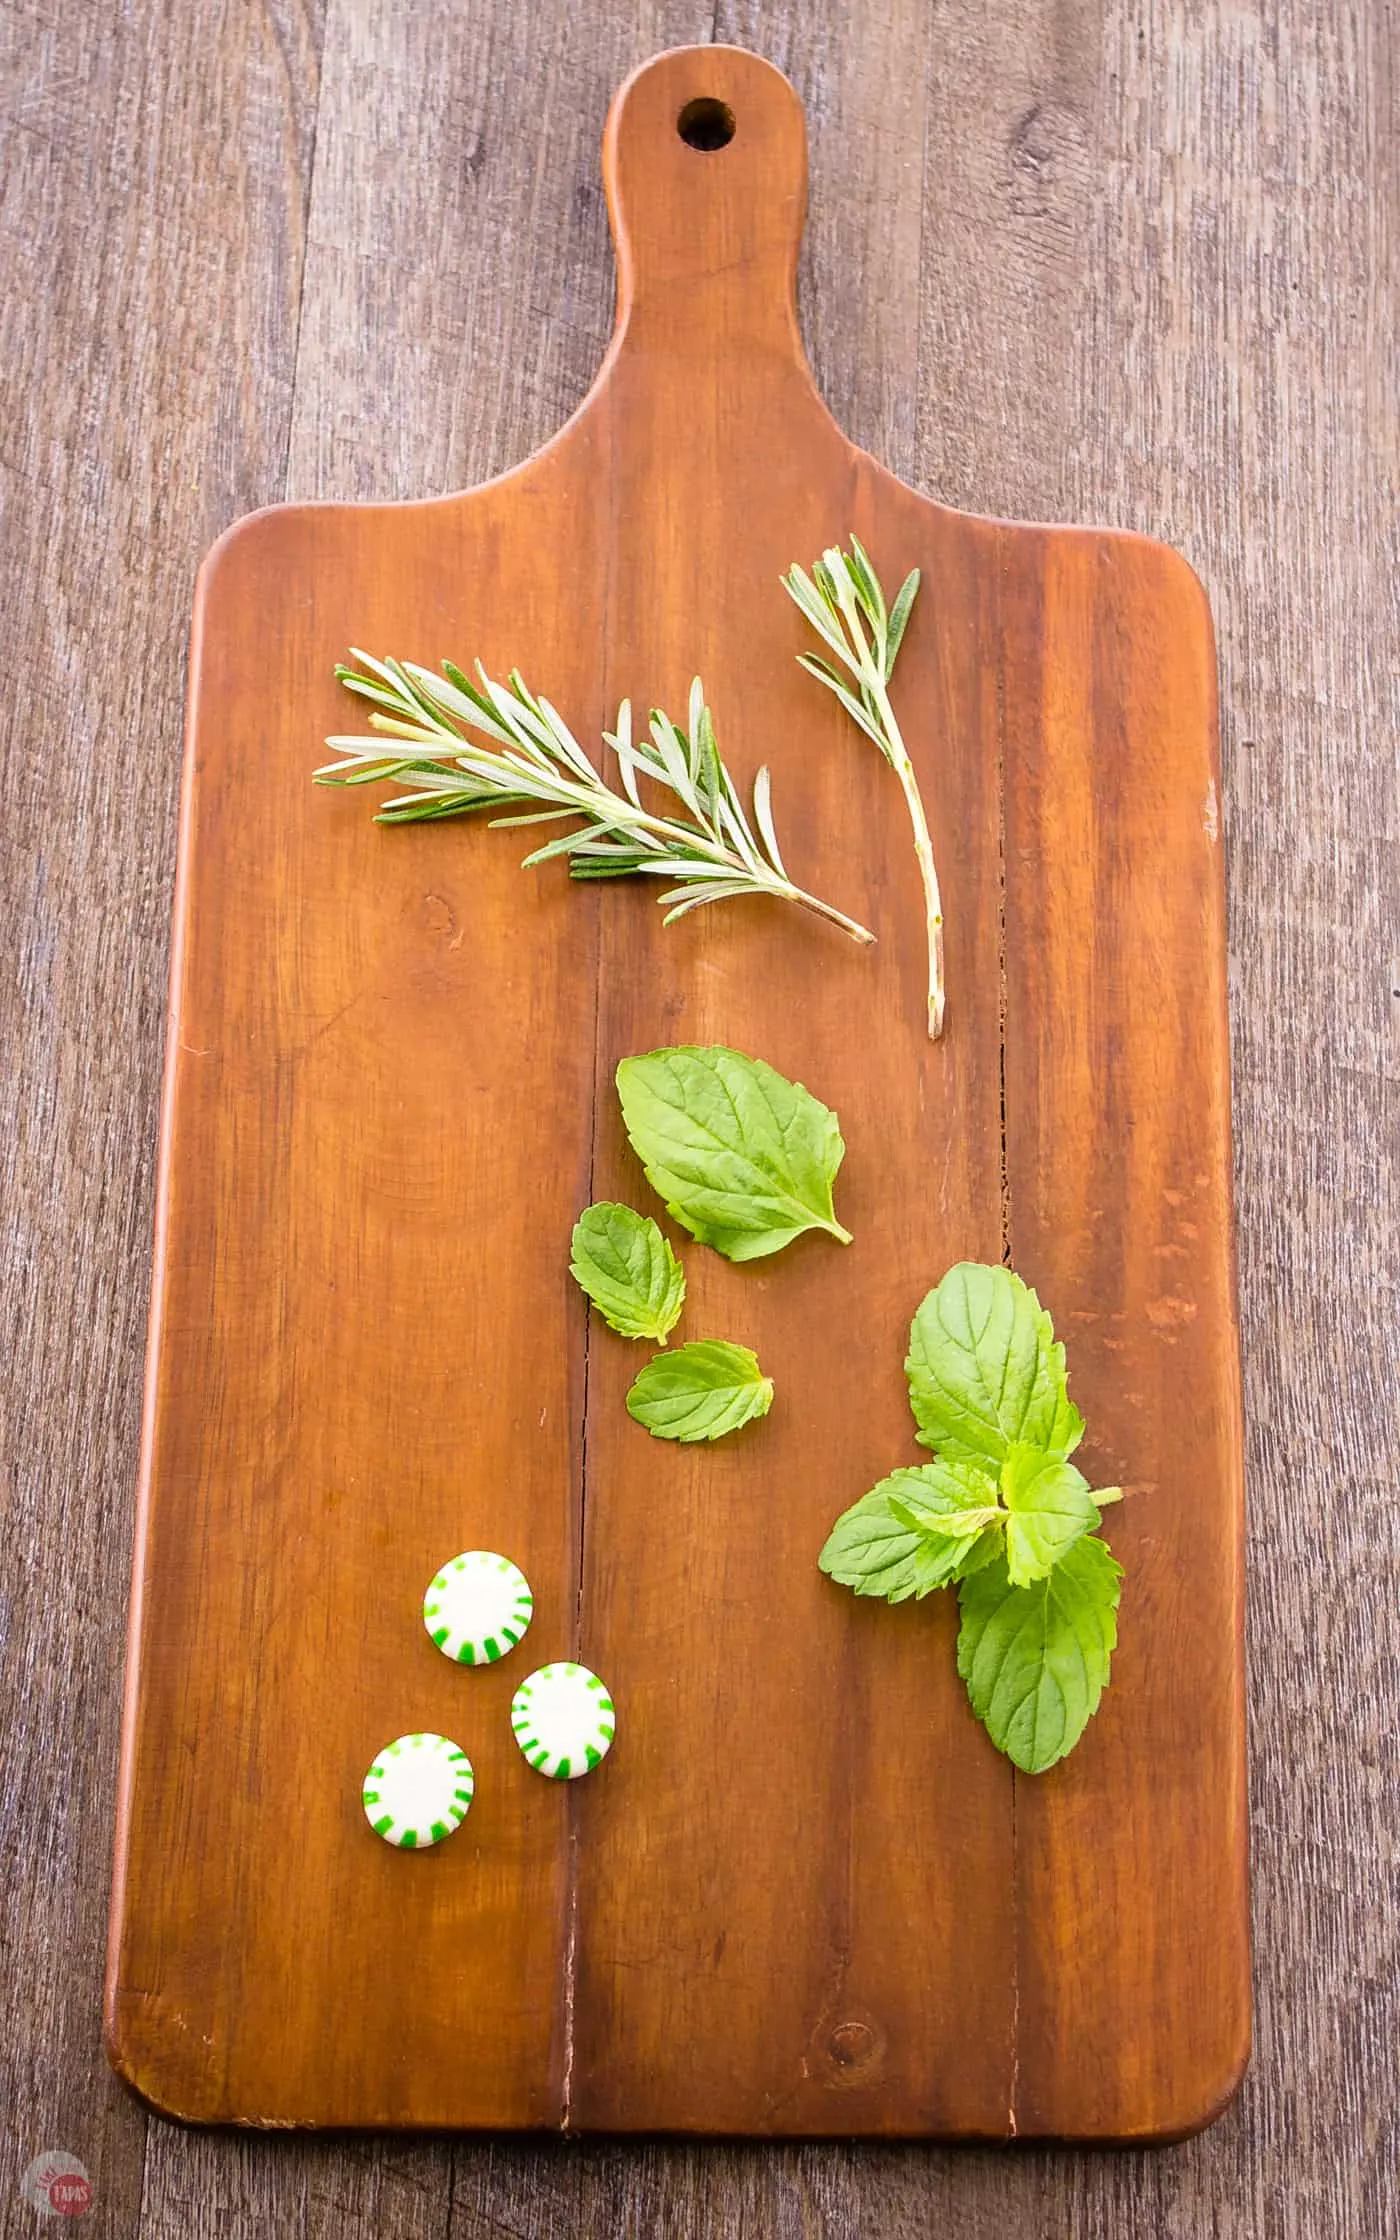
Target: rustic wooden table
[[1064, 263]]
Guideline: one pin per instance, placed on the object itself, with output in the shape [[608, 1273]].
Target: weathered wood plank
[[459, 278], [202, 2185], [151, 217], [1244, 402]]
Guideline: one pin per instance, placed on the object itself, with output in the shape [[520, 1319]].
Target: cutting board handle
[[705, 163]]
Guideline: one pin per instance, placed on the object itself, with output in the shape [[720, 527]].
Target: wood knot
[[1047, 153], [851, 2044]]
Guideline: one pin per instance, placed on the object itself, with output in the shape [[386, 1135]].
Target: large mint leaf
[[700, 1391], [1035, 1659], [985, 1371], [877, 1547], [1049, 1507], [621, 1259], [744, 1159]]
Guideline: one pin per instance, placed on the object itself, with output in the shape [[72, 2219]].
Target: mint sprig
[[1002, 1513]]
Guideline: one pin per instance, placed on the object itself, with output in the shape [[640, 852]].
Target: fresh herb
[[843, 602], [744, 1159], [623, 1262], [1002, 1513], [709, 848], [985, 1370], [701, 1391], [1048, 1507], [1035, 1659], [885, 1546]]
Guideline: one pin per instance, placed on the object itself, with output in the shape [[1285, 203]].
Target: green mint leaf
[[701, 1391], [629, 1271], [964, 1524], [744, 1159], [1050, 1508], [985, 1371], [875, 1549], [945, 1500], [1035, 1659], [988, 1547]]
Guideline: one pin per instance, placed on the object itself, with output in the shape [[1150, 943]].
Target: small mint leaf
[[1049, 1508], [946, 1500], [623, 1262], [875, 1549], [701, 1391], [988, 1547]]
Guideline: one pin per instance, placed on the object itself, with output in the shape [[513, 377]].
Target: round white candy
[[564, 1720], [478, 1607], [418, 1790]]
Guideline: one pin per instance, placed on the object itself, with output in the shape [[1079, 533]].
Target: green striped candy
[[418, 1790], [564, 1720], [478, 1607]]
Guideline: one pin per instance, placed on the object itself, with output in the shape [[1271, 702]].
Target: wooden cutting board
[[804, 1895]]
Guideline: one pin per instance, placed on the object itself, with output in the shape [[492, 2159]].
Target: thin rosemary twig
[[843, 602], [534, 762]]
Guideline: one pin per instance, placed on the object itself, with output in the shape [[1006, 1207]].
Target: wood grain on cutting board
[[804, 1895]]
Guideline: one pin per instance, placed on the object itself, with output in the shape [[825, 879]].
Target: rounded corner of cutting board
[[1211, 2093], [151, 2061], [1152, 568], [256, 543], [236, 543], [1217, 2099]]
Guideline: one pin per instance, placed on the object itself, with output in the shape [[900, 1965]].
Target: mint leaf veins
[[883, 1545]]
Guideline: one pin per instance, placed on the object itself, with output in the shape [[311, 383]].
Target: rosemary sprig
[[709, 848], [843, 602]]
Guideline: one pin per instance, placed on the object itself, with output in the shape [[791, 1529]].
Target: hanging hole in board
[[706, 124]]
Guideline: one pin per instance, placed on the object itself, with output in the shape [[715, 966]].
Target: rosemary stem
[[851, 926], [923, 849]]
